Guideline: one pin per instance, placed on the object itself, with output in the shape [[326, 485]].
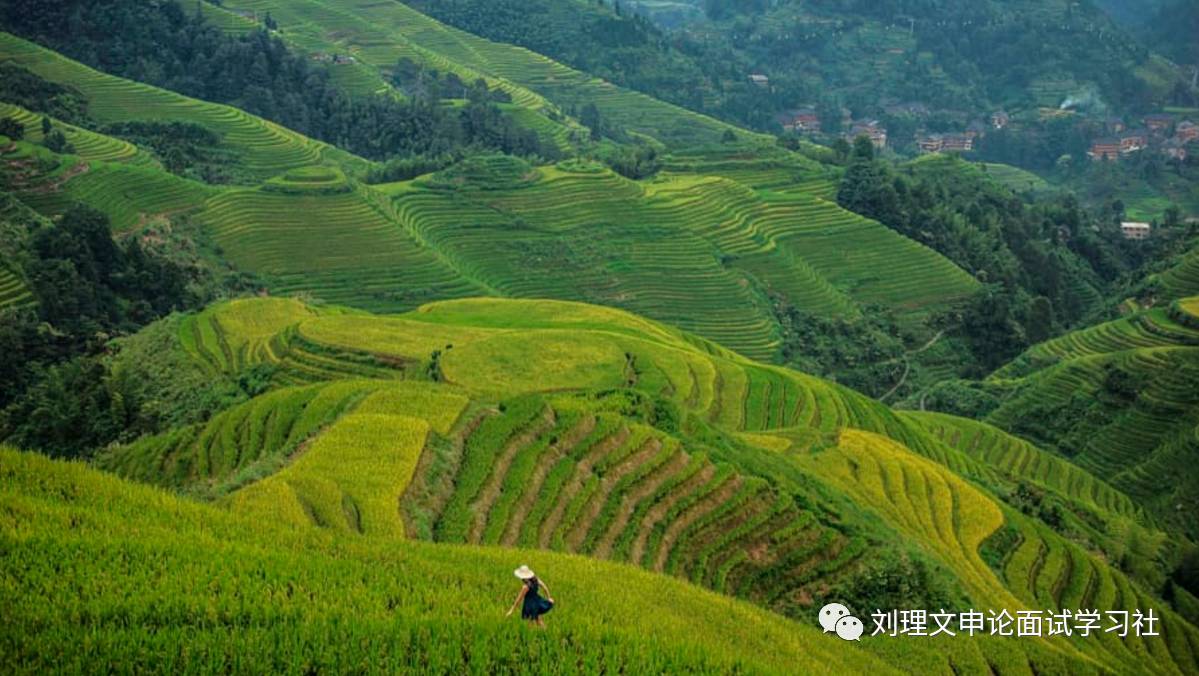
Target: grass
[[246, 593]]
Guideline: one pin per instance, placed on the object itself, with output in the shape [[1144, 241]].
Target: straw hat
[[524, 573]]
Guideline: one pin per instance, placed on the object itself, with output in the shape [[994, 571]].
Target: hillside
[[319, 317], [1118, 400], [582, 429], [743, 223], [246, 592], [974, 58]]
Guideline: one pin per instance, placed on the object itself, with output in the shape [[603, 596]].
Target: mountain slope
[[594, 431], [708, 253], [243, 592]]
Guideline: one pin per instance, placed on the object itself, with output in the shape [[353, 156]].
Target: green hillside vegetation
[[263, 149], [595, 431], [941, 53], [382, 33], [334, 601], [1181, 278], [735, 244], [129, 194], [1116, 399], [695, 251]]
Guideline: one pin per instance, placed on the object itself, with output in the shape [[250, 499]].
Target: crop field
[[338, 247], [1020, 459], [293, 595], [518, 445], [695, 252], [953, 519], [13, 292], [349, 479], [1182, 280], [127, 193], [1145, 330], [1017, 179], [88, 144], [568, 479], [1144, 367], [264, 149], [381, 33]]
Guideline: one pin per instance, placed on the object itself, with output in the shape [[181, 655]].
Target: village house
[[962, 143], [1134, 141], [1115, 125], [872, 130], [1133, 230], [800, 119], [1000, 119], [1104, 149], [1158, 122], [930, 143], [759, 80], [1175, 149], [1186, 131]]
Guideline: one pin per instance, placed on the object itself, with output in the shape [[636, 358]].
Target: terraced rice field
[[1047, 571], [338, 248], [726, 390], [1020, 459], [88, 145], [1149, 329], [337, 599], [1015, 178], [264, 149], [127, 193], [13, 292], [1182, 280], [570, 480], [1139, 372], [382, 32], [695, 252], [534, 464], [1040, 570]]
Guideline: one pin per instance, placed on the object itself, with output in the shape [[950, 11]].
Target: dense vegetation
[[86, 289], [1048, 265], [164, 45]]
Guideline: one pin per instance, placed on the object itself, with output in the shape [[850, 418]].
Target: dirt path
[[907, 367], [491, 490], [556, 452]]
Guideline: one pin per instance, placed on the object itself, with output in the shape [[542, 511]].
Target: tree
[[46, 126], [11, 128], [1040, 320], [590, 118]]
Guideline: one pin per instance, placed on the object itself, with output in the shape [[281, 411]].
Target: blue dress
[[534, 606]]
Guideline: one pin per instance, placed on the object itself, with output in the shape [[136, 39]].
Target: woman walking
[[530, 593]]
